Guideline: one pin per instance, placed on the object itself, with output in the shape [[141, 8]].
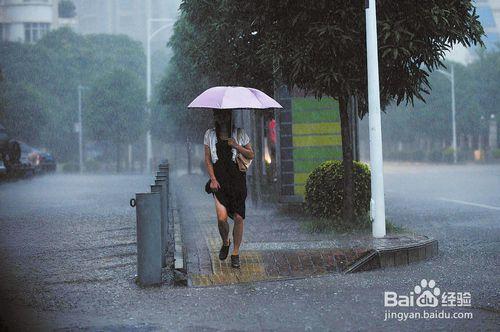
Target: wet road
[[67, 250]]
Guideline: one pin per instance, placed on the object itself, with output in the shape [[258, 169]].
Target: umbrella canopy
[[234, 97]]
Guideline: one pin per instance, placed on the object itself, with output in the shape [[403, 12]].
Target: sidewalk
[[274, 244]]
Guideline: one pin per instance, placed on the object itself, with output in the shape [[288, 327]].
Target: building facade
[[27, 20], [128, 17]]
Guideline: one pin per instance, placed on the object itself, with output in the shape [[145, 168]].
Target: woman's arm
[[246, 150], [210, 168]]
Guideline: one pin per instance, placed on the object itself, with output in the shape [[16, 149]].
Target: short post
[[164, 173], [158, 188], [164, 218], [148, 238]]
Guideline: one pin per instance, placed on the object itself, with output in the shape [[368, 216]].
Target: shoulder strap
[[239, 135]]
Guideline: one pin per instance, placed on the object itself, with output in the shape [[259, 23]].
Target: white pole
[[149, 150], [80, 129], [376, 160], [453, 121]]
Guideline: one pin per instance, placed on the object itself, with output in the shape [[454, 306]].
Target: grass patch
[[333, 226], [363, 226]]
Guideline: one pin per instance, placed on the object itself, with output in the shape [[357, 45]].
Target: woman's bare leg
[[222, 221], [237, 233]]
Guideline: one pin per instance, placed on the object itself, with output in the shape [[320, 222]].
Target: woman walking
[[227, 183]]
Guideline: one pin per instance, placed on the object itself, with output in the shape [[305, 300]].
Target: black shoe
[[235, 261], [224, 250]]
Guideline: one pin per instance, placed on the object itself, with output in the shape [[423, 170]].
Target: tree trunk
[[347, 161]]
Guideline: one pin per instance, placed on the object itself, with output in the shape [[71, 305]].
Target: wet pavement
[[276, 246], [67, 258]]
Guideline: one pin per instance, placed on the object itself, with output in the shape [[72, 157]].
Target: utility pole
[[149, 36], [377, 204], [451, 77]]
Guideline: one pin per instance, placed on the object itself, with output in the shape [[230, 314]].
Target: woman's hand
[[214, 184], [232, 142]]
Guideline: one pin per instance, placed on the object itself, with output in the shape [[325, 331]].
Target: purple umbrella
[[234, 97]]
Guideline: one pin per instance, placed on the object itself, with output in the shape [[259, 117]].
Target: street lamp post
[[80, 127], [150, 35], [451, 77], [377, 203]]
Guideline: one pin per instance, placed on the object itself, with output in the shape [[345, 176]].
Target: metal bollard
[[162, 189], [148, 237], [164, 173]]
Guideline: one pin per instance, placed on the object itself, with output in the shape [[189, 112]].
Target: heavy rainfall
[[191, 165]]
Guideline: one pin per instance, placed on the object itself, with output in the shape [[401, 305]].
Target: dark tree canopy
[[66, 9], [320, 46]]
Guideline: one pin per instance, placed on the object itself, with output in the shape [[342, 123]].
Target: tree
[[66, 9], [320, 47], [182, 82], [116, 110], [23, 111], [476, 97], [51, 71]]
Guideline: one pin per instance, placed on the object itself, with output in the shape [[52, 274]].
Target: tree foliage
[[319, 46], [49, 73], [476, 94], [182, 82], [116, 108]]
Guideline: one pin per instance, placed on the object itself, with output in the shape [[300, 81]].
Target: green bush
[[324, 191]]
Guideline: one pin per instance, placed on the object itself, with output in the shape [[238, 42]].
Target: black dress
[[233, 187]]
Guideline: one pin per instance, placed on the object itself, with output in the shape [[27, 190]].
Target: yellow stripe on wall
[[316, 128], [321, 140], [300, 178], [299, 190]]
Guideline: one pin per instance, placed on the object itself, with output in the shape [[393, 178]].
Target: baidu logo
[[427, 294], [426, 301]]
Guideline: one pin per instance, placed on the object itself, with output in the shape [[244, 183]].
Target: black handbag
[[209, 190]]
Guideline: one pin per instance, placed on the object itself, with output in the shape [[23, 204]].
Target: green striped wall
[[316, 136]]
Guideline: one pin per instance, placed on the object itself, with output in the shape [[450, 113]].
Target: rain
[[202, 165]]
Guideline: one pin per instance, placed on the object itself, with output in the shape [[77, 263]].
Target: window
[[34, 31], [4, 31]]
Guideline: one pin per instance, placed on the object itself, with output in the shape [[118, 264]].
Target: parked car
[[44, 162], [10, 150], [27, 164]]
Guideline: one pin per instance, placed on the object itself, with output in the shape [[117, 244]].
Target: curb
[[398, 256]]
